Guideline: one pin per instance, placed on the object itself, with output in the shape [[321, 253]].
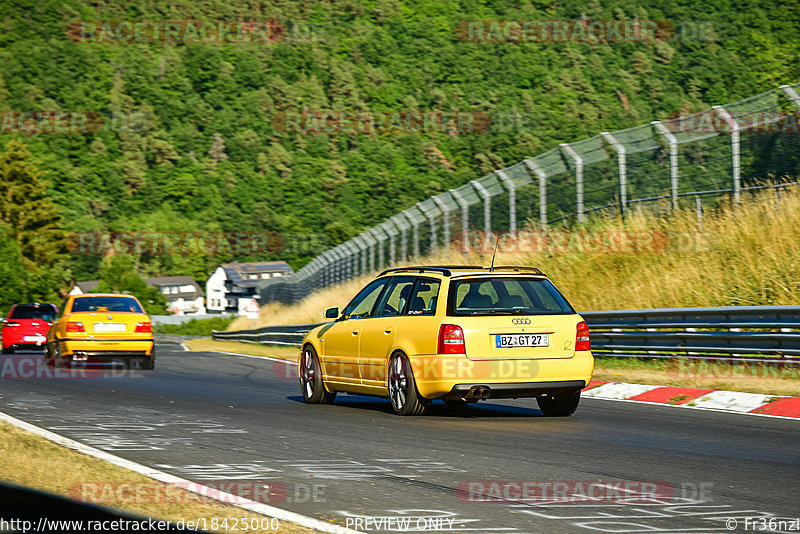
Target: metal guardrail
[[773, 333]]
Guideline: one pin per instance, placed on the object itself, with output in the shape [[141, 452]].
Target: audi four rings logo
[[520, 321]]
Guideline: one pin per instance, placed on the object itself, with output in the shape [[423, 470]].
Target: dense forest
[[190, 137]]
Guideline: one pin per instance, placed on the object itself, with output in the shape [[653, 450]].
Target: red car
[[26, 326]]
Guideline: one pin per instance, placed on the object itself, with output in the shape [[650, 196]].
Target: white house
[[184, 295], [233, 281]]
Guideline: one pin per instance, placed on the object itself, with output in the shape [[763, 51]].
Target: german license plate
[[36, 339], [109, 327], [503, 341]]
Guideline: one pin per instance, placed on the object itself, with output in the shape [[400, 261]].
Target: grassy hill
[[190, 141]]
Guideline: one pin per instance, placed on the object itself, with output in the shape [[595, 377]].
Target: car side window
[[396, 297], [423, 297], [362, 304]]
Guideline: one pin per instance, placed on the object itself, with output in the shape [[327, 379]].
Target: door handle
[[355, 332], [387, 331]]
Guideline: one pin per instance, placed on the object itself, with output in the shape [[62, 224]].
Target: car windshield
[[45, 312], [506, 296], [106, 304]]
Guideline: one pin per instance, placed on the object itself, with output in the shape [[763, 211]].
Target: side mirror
[[332, 313]]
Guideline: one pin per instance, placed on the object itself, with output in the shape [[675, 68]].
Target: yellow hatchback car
[[101, 328], [460, 334]]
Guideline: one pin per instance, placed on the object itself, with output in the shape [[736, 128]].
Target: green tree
[[32, 216]]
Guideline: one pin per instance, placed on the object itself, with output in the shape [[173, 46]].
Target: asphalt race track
[[225, 419]]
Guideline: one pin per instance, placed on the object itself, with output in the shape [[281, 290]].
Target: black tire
[[150, 363], [310, 373], [56, 355], [8, 350], [560, 405], [403, 392]]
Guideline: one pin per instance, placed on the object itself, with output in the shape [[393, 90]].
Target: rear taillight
[[75, 327], [451, 339], [144, 328], [582, 341]]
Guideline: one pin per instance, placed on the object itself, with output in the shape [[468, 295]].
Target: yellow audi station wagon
[[460, 334]]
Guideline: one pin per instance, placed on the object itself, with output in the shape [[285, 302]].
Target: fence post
[[673, 161], [392, 251], [512, 201], [362, 245], [445, 221], [431, 216], [464, 218], [621, 163], [578, 179], [699, 207], [791, 93], [403, 243], [487, 208], [380, 238], [415, 233], [542, 192], [737, 178]]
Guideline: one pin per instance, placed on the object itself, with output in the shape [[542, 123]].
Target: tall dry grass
[[749, 255]]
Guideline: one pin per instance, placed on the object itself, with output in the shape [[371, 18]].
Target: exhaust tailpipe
[[478, 393]]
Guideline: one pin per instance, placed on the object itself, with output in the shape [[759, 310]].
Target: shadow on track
[[438, 408]]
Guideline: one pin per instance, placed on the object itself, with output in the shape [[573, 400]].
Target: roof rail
[[518, 268], [444, 270]]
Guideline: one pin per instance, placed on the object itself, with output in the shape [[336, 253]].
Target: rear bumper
[[106, 349], [514, 390], [17, 341], [448, 376]]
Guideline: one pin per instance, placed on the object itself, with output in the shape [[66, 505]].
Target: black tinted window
[[520, 296], [106, 304], [45, 312]]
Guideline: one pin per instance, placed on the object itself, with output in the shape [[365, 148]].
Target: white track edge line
[[155, 474], [686, 406]]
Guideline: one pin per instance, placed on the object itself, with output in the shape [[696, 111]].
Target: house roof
[[236, 272], [88, 285], [161, 281]]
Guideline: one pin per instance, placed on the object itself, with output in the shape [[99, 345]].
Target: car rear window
[[45, 312], [106, 304], [506, 296]]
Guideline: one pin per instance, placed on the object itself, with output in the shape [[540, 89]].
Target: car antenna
[[497, 242]]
